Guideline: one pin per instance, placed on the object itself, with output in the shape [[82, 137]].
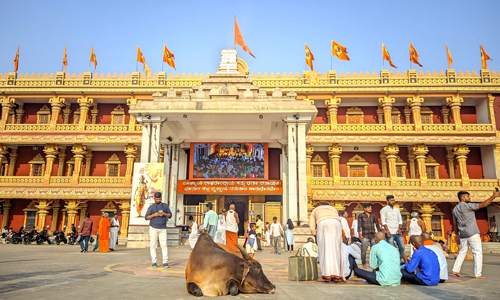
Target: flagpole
[[136, 66], [89, 66], [235, 31], [331, 62]]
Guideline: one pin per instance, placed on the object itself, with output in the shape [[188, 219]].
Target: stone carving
[[223, 89], [158, 94], [277, 92], [171, 93], [200, 93]]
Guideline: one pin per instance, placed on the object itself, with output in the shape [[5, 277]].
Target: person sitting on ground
[[424, 259], [311, 247], [356, 246], [384, 260], [350, 257], [443, 264], [251, 236]]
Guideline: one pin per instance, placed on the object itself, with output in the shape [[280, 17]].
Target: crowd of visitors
[[225, 165]]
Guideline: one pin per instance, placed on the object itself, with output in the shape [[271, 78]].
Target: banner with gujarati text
[[147, 180], [266, 187]]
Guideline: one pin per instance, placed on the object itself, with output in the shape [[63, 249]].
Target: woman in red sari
[[103, 231]]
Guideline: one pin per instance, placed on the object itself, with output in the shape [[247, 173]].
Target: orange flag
[[387, 56], [93, 58], [309, 58], [339, 51], [414, 56], [484, 57], [148, 71], [238, 38], [140, 57], [450, 60], [16, 60], [65, 59], [168, 57]]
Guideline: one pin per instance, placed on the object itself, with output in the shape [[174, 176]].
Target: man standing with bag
[[210, 222], [158, 214]]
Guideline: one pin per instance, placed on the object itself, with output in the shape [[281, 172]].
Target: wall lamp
[[185, 116], [147, 116], [261, 117], [356, 148]]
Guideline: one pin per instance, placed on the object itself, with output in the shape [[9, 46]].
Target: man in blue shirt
[[424, 259], [158, 214]]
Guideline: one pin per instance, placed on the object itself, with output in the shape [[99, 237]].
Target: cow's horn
[[243, 252]]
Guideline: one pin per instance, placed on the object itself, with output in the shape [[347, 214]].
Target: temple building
[[273, 144]]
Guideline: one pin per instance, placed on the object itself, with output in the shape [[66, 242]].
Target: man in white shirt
[[113, 232], [345, 226], [349, 259], [443, 264], [355, 226], [393, 224], [311, 247], [276, 230]]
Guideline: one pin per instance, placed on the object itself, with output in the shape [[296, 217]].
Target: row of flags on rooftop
[[337, 50]]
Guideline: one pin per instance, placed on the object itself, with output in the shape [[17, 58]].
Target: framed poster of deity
[[228, 161], [147, 180]]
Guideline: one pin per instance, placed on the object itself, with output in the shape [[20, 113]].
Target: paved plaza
[[61, 272]]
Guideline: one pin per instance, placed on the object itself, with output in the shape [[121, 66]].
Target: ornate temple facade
[[68, 142]]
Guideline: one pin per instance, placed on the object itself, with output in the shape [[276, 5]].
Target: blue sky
[[275, 31]]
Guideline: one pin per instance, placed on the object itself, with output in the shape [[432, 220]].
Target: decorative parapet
[[403, 129], [383, 138]]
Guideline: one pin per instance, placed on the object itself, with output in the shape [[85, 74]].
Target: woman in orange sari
[[103, 231]]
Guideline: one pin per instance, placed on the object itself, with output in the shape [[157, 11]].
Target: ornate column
[[6, 212], [455, 102], [411, 160], [62, 160], [7, 104], [386, 103], [461, 151], [56, 206], [426, 210], [302, 172], [380, 115], [497, 161], [12, 163], [131, 121], [72, 207], [79, 151], [383, 163], [292, 181], [407, 112], [66, 114], [415, 103], [83, 209], [130, 151], [51, 151], [57, 104], [339, 205], [449, 160], [4, 150], [19, 114], [391, 151], [420, 151], [88, 161], [43, 210], [334, 154], [491, 110], [332, 105], [93, 114], [125, 210], [309, 153], [85, 104]]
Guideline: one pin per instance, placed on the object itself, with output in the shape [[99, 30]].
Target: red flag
[[238, 38], [16, 60], [168, 57]]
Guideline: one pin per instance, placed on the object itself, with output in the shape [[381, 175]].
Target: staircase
[[138, 236]]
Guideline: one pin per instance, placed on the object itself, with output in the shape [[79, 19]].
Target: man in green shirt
[[385, 262], [210, 222]]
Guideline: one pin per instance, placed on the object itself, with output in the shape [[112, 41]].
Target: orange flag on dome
[[309, 58], [414, 56], [140, 57], [148, 71], [238, 38], [386, 56], [93, 59], [450, 60], [484, 57], [16, 60], [339, 51], [65, 59], [168, 57]]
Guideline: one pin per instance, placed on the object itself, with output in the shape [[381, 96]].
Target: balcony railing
[[73, 127], [100, 181], [402, 129]]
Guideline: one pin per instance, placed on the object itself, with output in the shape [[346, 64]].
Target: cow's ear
[[246, 271]]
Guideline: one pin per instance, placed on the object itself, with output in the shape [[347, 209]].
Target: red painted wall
[[402, 115], [474, 163], [104, 114], [274, 163], [16, 218], [321, 117], [373, 159], [370, 114], [436, 115], [496, 109], [26, 153], [100, 157], [403, 153], [439, 154], [468, 114], [30, 110]]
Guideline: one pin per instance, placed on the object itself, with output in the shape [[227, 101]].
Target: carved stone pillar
[[407, 112], [72, 207], [131, 121], [386, 103], [426, 210], [51, 151], [420, 151], [309, 153], [391, 151], [7, 104], [83, 209], [491, 110], [19, 114], [449, 160], [62, 160], [380, 115], [66, 114], [57, 104], [125, 210], [497, 161], [461, 151], [383, 163], [4, 150], [455, 102], [6, 212], [130, 151], [332, 105], [88, 161], [56, 206], [43, 211], [339, 205], [12, 163], [411, 160], [334, 154], [79, 151], [93, 114], [85, 104], [415, 103]]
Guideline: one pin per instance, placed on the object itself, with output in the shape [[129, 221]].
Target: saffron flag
[[93, 58], [148, 71], [140, 57], [450, 60], [387, 56], [16, 60], [484, 57], [65, 59], [339, 51], [414, 56], [238, 38], [309, 58], [168, 57]]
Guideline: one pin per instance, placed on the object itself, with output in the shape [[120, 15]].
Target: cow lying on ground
[[212, 271]]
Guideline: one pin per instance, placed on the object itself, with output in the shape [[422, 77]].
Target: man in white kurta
[[113, 233], [345, 226]]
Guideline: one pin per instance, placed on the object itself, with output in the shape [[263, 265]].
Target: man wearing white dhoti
[[220, 235], [325, 225], [113, 233]]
